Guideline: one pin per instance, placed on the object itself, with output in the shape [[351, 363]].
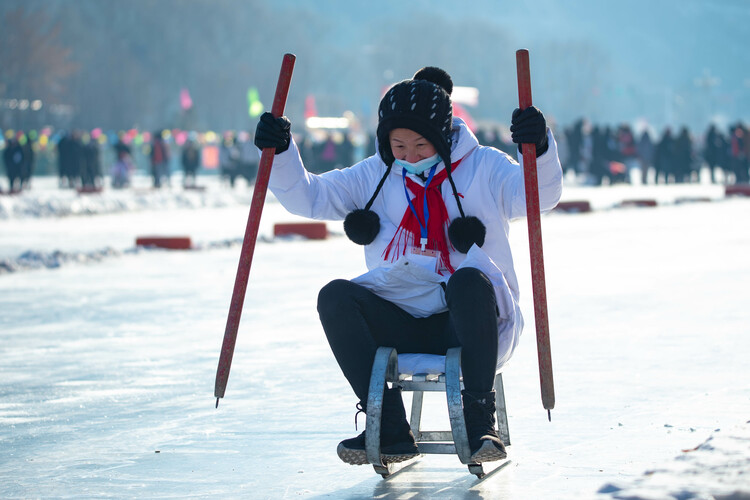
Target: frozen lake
[[107, 366]]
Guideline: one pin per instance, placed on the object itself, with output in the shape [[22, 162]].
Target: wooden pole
[[251, 235], [535, 242]]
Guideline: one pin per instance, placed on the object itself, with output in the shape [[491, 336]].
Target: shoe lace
[[360, 409]]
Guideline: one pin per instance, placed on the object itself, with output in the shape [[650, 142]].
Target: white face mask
[[420, 166]]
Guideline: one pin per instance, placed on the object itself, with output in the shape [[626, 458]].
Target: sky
[[654, 57], [668, 62]]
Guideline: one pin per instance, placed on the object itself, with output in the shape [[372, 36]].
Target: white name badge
[[427, 259]]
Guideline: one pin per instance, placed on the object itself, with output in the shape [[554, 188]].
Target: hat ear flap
[[384, 148]]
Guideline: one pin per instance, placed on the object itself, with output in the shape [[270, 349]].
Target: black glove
[[529, 127], [273, 132]]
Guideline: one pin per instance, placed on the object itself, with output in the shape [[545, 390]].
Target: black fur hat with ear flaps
[[423, 105]]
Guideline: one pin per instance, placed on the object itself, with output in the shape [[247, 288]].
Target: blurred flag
[[310, 109], [210, 157], [185, 101], [254, 106], [460, 112]]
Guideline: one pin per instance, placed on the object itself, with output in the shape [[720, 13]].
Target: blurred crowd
[[591, 154], [86, 160], [606, 155]]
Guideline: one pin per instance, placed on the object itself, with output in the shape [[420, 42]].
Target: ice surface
[[107, 359]]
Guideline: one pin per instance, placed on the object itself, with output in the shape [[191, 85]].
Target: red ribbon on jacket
[[408, 232]]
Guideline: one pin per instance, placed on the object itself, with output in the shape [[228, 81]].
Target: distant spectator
[[574, 136], [628, 151], [91, 168], [122, 146], [122, 169], [13, 158], [308, 151], [645, 149], [683, 157], [328, 157], [71, 159], [664, 157], [229, 158], [248, 161], [64, 159], [739, 152], [159, 160], [599, 155], [190, 162], [715, 152], [587, 151], [27, 167], [346, 151]]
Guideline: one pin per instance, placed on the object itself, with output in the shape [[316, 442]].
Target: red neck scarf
[[409, 230]]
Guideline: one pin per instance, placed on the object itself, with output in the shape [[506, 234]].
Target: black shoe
[[352, 450], [396, 439], [479, 413]]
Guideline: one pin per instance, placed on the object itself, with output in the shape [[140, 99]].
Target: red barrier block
[[168, 242], [577, 206], [310, 230], [638, 203], [89, 189], [737, 190]]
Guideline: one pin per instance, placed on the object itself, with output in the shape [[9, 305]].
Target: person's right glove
[[529, 127], [273, 132]]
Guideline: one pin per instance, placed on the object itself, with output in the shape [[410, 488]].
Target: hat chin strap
[[363, 225]]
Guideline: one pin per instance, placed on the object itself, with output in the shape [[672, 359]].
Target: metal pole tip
[[217, 402], [549, 412]]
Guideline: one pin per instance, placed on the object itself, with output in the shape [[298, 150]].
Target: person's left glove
[[529, 127], [273, 132]]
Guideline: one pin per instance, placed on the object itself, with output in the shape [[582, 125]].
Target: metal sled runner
[[455, 441]]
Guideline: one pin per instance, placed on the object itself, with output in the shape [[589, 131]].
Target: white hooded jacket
[[491, 185]]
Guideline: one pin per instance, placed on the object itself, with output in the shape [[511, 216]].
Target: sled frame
[[455, 441]]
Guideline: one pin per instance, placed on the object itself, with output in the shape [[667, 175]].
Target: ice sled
[[423, 375]]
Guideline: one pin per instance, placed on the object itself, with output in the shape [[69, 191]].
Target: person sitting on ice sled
[[440, 267]]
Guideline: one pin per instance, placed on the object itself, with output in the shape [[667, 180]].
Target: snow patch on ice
[[718, 468], [65, 203], [33, 259]]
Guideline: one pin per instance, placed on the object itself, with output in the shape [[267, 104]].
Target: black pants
[[357, 322]]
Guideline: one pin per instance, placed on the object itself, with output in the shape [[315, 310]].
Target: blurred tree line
[[119, 64]]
